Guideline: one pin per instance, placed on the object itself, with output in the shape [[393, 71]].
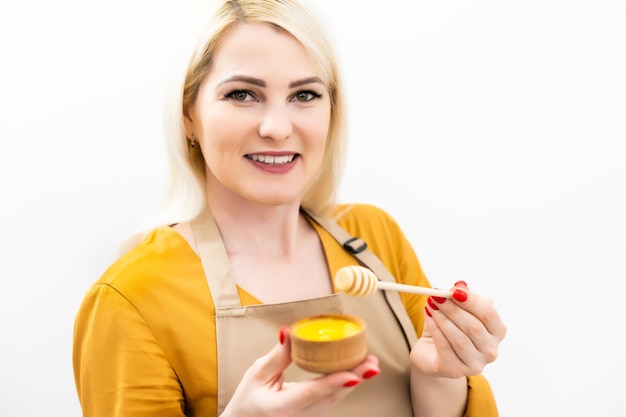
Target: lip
[[274, 153], [274, 168]]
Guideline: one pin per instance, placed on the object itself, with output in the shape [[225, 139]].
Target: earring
[[192, 141]]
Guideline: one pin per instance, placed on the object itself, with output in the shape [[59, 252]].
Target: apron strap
[[358, 248], [224, 289], [215, 261]]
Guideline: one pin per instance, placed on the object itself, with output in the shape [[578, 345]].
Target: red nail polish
[[440, 300], [351, 383], [432, 304], [427, 312], [281, 336], [460, 284], [370, 374], [459, 295]]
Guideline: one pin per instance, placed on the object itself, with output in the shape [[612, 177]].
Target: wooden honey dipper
[[360, 281]]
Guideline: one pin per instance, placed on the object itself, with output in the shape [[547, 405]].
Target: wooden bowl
[[328, 343]]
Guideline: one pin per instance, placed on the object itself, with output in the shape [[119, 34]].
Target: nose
[[276, 123]]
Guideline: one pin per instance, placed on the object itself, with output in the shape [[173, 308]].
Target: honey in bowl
[[326, 328], [328, 343]]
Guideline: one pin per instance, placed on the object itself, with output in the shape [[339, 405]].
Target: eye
[[240, 95], [305, 95]]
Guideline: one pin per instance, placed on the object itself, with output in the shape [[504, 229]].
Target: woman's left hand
[[461, 335]]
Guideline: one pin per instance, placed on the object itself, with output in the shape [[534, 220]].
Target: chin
[[275, 199]]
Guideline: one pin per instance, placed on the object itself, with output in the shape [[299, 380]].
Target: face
[[261, 118]]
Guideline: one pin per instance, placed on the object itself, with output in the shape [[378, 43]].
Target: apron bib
[[244, 333]]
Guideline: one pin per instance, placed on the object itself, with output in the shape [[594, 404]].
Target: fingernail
[[460, 284], [370, 374], [352, 383], [432, 304], [459, 295], [440, 300], [427, 312], [281, 336]]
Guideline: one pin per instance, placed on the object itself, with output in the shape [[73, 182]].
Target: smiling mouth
[[272, 159]]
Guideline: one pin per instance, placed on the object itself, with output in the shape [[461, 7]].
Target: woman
[[186, 322]]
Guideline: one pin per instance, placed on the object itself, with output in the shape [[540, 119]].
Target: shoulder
[[162, 271], [156, 260], [379, 229], [365, 218]]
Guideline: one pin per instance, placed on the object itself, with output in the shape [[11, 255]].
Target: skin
[[265, 96], [461, 336], [263, 391], [250, 104]]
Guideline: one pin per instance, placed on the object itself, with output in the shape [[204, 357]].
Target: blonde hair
[[206, 23]]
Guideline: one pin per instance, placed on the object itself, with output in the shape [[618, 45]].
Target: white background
[[492, 130]]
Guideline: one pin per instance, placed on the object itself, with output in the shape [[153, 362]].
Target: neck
[[273, 231]]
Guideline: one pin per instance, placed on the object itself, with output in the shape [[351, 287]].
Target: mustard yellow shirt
[[144, 339]]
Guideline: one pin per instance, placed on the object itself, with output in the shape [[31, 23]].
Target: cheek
[[221, 129], [318, 127]]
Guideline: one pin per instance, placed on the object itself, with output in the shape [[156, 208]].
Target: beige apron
[[245, 333]]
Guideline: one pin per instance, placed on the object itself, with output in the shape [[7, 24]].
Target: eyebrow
[[305, 81], [261, 83]]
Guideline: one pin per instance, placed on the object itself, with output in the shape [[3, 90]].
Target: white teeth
[[273, 160]]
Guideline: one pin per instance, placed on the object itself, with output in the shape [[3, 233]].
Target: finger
[[463, 331], [485, 327], [270, 367], [481, 306], [466, 334], [448, 359], [318, 393], [287, 385], [369, 368]]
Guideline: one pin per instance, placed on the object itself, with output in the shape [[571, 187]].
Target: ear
[[188, 123]]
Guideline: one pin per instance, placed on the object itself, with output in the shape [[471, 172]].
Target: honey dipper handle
[[413, 289]]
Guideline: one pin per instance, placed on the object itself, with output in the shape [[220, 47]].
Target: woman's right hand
[[264, 392]]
